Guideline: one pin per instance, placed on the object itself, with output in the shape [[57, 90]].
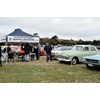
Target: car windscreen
[[66, 48], [57, 49], [62, 48]]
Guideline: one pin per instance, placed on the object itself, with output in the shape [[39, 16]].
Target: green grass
[[43, 72]]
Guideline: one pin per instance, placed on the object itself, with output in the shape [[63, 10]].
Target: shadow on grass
[[69, 63], [94, 69]]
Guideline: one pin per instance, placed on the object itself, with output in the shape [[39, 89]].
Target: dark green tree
[[54, 40]]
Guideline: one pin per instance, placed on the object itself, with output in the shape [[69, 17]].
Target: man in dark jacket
[[48, 49]]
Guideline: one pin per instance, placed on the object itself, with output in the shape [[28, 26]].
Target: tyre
[[74, 61], [61, 61]]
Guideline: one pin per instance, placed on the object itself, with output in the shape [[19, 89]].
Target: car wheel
[[74, 61]]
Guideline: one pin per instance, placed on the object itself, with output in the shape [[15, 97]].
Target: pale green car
[[76, 53]]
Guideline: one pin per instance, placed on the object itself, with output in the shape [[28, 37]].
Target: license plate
[[90, 65]]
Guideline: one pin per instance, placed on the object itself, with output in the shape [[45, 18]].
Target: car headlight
[[67, 57]]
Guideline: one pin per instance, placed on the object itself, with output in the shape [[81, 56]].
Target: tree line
[[55, 40]]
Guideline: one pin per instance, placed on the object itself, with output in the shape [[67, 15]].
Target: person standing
[[22, 52], [0, 56], [32, 52], [9, 53], [27, 52], [48, 49], [37, 52], [10, 56]]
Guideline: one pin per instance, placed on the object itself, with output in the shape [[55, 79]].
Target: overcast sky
[[86, 28]]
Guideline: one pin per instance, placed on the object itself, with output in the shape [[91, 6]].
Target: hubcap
[[74, 61]]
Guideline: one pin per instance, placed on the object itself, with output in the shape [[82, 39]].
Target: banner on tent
[[2, 39], [23, 39]]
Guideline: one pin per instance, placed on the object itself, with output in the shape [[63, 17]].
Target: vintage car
[[57, 50], [76, 53], [92, 61]]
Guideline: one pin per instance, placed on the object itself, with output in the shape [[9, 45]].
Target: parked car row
[[77, 52], [87, 54]]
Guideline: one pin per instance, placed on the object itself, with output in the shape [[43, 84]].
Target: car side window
[[92, 49], [79, 48], [86, 49]]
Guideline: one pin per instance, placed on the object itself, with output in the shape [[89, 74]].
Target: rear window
[[92, 49]]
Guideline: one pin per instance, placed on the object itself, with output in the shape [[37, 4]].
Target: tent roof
[[19, 32]]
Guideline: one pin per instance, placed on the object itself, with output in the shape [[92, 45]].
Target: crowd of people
[[28, 52]]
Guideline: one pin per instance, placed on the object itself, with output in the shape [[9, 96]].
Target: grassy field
[[47, 72]]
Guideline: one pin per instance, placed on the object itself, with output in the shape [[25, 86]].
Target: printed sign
[[2, 39], [23, 39]]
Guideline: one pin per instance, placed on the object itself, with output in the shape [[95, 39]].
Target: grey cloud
[[87, 28]]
